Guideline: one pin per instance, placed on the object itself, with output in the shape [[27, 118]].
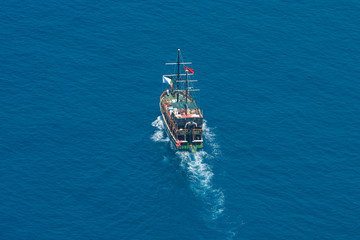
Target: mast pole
[[186, 93], [178, 75]]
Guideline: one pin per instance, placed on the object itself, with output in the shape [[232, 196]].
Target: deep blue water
[[83, 152]]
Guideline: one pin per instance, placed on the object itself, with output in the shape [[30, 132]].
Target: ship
[[181, 115]]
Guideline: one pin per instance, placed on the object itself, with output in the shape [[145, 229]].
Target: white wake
[[209, 136], [159, 133], [200, 176], [199, 172]]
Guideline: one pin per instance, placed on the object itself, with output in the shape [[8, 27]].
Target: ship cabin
[[184, 119]]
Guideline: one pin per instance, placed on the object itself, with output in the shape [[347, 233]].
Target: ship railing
[[182, 132], [195, 131]]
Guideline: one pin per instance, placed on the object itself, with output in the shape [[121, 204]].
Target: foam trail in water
[[209, 136], [199, 173], [158, 135], [200, 176]]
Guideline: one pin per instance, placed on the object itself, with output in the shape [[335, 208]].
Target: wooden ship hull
[[182, 117], [184, 130]]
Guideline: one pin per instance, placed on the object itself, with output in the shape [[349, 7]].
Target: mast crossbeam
[[188, 81], [182, 74], [178, 63]]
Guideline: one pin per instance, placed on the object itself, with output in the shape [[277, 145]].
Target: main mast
[[178, 75]]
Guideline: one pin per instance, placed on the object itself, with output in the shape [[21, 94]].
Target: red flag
[[189, 69]]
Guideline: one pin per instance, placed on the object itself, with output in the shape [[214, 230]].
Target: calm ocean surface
[[83, 151]]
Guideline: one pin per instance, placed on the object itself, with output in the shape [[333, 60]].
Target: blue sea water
[[83, 151]]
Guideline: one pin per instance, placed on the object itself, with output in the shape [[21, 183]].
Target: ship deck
[[181, 103], [171, 104]]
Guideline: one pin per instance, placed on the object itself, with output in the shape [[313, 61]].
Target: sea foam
[[158, 135], [200, 177], [209, 136], [198, 171]]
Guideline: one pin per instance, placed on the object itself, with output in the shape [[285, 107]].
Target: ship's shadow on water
[[196, 168]]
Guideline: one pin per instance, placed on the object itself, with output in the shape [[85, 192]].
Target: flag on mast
[[189, 69], [166, 80]]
